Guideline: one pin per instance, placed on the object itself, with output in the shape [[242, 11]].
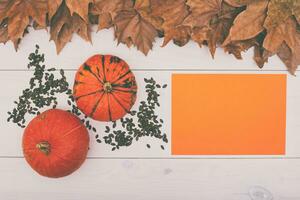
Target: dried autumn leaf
[[173, 12], [285, 33], [19, 12], [131, 28], [200, 35], [249, 23], [274, 39], [278, 12], [5, 7], [53, 5], [220, 25], [296, 10], [261, 56], [81, 27], [3, 32], [143, 7], [107, 10], [63, 25], [3, 35], [16, 42], [289, 58], [61, 28], [80, 7], [202, 12], [181, 36], [237, 47]]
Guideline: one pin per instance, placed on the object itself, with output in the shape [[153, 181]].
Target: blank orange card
[[228, 114]]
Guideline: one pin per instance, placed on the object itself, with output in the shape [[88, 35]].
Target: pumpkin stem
[[107, 87], [44, 147]]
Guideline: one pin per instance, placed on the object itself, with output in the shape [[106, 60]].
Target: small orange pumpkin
[[105, 88], [55, 143]]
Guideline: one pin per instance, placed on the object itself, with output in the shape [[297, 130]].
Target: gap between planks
[[169, 69], [176, 158]]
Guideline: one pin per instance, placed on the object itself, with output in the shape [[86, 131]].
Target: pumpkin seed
[[98, 140], [141, 123], [42, 91]]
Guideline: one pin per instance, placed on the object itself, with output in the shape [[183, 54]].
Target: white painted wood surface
[[137, 172]]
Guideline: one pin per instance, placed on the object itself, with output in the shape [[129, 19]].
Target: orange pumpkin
[[55, 143], [105, 88]]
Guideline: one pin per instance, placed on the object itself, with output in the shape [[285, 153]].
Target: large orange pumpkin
[[105, 88], [55, 143]]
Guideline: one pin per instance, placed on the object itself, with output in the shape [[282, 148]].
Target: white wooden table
[[138, 173]]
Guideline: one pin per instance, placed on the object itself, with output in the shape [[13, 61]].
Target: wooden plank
[[12, 84], [156, 179], [170, 57]]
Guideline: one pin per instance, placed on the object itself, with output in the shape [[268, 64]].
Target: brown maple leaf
[[249, 23], [200, 35], [220, 25], [53, 5], [202, 12], [81, 28], [107, 10], [5, 7], [63, 25], [132, 27], [261, 55], [19, 12], [145, 9], [296, 10], [3, 32], [285, 34], [280, 10], [80, 7], [237, 47], [198, 21], [288, 57], [172, 12]]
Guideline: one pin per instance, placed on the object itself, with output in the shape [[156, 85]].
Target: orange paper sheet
[[228, 114]]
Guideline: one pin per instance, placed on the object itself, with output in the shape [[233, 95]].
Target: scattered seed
[[42, 92], [143, 122]]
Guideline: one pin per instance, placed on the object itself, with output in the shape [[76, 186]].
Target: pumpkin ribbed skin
[[55, 143], [105, 88]]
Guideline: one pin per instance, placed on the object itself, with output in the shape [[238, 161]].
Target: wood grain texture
[[155, 179], [138, 172]]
